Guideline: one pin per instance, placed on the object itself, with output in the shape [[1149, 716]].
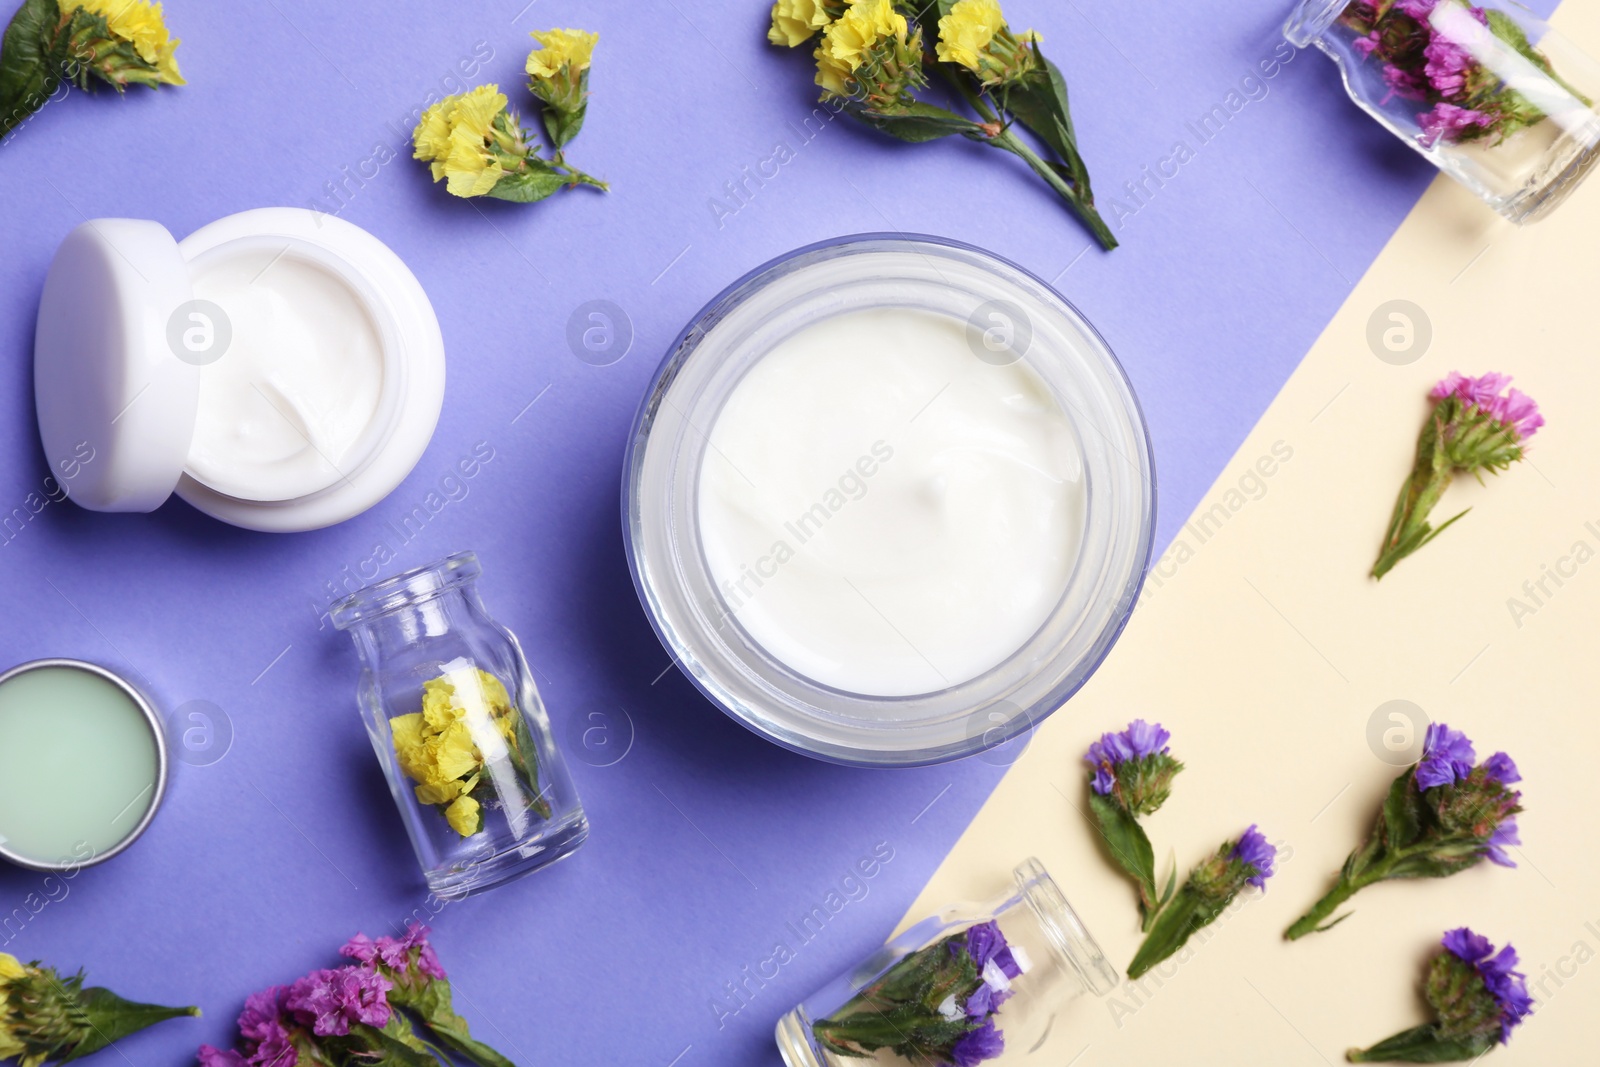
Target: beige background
[[1266, 651]]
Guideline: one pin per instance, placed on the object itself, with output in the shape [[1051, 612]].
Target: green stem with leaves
[[997, 132]]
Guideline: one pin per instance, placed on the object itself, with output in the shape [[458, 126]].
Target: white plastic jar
[[278, 369], [889, 500]]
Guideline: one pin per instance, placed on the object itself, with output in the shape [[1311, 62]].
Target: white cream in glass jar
[[889, 501], [278, 369]]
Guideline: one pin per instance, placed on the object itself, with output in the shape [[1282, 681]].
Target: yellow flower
[[852, 38], [435, 746], [560, 48], [140, 23], [459, 138], [463, 816], [967, 31], [10, 1046], [849, 41], [794, 22]]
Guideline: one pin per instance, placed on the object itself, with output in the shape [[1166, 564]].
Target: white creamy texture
[[884, 512], [298, 385]]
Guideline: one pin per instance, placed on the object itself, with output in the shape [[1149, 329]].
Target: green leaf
[[1402, 816], [30, 69], [535, 181], [1422, 1044], [432, 1003], [1173, 926], [112, 1018], [1039, 102], [916, 122], [1128, 846], [388, 1049]]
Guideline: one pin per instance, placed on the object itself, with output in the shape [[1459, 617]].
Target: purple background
[[707, 840]]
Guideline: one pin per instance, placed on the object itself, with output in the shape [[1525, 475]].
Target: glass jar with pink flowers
[[1489, 92]]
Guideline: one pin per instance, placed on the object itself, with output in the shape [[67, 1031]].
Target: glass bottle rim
[[406, 589], [1071, 941], [1310, 19]]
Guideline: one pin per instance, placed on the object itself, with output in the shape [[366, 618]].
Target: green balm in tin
[[82, 764]]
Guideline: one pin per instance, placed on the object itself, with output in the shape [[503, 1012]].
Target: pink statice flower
[[1403, 83], [1448, 122], [1488, 393], [395, 952], [329, 1001]]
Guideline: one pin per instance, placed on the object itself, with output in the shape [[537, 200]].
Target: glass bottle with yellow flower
[[456, 720]]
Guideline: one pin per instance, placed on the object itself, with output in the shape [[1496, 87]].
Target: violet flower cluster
[[935, 1007], [1445, 814], [1430, 52], [1131, 775], [391, 1005], [1478, 997], [1477, 424]]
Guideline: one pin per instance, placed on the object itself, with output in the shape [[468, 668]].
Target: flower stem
[[1007, 141], [1085, 212], [1313, 920]]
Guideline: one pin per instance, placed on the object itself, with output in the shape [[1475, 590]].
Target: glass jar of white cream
[[278, 369], [889, 500]]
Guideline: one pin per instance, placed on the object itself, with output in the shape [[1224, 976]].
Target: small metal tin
[[158, 733]]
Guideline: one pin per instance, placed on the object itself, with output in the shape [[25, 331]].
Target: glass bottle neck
[[1311, 19]]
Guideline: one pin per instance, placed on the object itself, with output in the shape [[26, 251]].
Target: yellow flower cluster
[[461, 139], [852, 39], [794, 22], [436, 747], [11, 1046], [560, 50], [141, 24], [974, 35], [967, 31]]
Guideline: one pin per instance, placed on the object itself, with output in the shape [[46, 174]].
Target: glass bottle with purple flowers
[[1488, 92], [974, 984], [453, 714]]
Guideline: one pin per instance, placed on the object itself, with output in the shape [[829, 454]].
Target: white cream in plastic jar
[[889, 501], [885, 513], [278, 369]]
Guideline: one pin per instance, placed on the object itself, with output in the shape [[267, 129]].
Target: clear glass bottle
[[457, 723], [996, 976], [1490, 93]]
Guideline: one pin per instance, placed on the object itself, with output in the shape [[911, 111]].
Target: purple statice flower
[[329, 1001], [220, 1057], [986, 1000], [984, 1043], [1501, 768], [1508, 986], [1367, 44], [984, 942], [1255, 851], [1504, 834], [1447, 757], [1138, 741], [1449, 122], [1006, 961]]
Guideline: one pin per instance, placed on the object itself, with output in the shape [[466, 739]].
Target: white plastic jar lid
[[119, 378]]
